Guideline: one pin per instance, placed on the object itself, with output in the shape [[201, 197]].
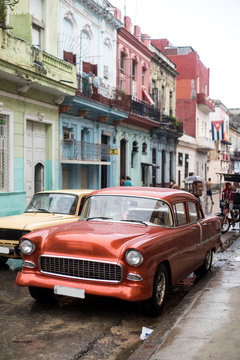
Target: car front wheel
[[206, 266], [155, 304], [41, 294]]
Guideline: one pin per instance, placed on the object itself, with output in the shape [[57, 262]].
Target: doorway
[[122, 158], [35, 157]]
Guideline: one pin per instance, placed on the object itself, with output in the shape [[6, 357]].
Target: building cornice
[[126, 35]]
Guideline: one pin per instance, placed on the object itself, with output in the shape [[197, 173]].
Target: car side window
[[180, 214], [193, 211]]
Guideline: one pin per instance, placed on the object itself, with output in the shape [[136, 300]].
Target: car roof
[[67, 191], [147, 191]]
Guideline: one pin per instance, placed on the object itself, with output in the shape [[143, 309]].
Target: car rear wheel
[[41, 294], [155, 304], [206, 266]]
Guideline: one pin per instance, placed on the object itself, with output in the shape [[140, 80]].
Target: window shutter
[[35, 9]]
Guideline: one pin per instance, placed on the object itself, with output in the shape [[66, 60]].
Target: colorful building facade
[[32, 84]]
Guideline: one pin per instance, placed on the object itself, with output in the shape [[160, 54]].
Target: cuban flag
[[218, 130]]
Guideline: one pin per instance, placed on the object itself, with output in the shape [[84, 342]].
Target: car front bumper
[[128, 290]]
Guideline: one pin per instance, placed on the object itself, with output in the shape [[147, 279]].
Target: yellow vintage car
[[46, 208]]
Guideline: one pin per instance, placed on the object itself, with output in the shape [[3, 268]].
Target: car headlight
[[26, 246], [133, 257]]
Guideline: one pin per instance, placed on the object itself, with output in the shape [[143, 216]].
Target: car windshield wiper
[[136, 221], [99, 217], [43, 210], [30, 210]]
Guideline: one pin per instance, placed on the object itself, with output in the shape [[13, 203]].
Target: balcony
[[205, 104], [204, 144], [32, 68], [142, 108], [78, 152], [106, 95]]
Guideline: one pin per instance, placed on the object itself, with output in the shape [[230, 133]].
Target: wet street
[[72, 329], [94, 328]]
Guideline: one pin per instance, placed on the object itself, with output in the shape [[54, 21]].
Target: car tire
[[206, 266], [153, 306], [225, 224], [3, 259], [42, 295]]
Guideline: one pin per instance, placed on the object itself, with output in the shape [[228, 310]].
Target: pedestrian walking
[[209, 190]]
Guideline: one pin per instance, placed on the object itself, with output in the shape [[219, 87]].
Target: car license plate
[[68, 291], [4, 250]]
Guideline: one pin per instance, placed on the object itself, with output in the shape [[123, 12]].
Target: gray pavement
[[206, 324]]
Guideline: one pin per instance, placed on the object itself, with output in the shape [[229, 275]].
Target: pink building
[[133, 60]]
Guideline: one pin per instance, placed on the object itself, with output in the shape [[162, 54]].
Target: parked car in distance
[[46, 208], [129, 243]]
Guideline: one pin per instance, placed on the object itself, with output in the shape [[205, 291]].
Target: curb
[[170, 320]]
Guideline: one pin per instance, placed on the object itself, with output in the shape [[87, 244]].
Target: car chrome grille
[[81, 268]]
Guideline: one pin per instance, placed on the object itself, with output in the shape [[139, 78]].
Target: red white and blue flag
[[218, 130]]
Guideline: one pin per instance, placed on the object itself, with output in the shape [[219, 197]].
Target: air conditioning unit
[[68, 136]]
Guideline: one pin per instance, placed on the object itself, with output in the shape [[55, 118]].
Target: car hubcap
[[160, 288]]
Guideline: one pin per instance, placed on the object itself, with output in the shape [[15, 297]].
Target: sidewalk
[[206, 324]]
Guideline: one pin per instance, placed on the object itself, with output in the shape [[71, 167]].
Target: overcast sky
[[210, 27]]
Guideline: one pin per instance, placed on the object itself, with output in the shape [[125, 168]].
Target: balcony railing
[[104, 94], [142, 108], [205, 103], [171, 123], [82, 151], [36, 68]]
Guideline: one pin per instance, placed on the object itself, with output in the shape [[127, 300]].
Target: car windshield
[[53, 203], [127, 208]]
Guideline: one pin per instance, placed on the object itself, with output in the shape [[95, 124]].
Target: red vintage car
[[130, 243]]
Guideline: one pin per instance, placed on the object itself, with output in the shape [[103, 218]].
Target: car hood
[[95, 239], [32, 221]]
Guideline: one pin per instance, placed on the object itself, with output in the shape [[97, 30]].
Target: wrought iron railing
[[142, 108], [82, 151], [93, 89]]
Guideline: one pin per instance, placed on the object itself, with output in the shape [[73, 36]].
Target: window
[[134, 70], [122, 65], [155, 93], [170, 103], [36, 36], [134, 153], [186, 165], [180, 214], [4, 151], [35, 9], [193, 213], [154, 156], [143, 75], [180, 159], [144, 148]]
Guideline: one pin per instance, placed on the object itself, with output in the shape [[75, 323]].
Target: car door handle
[[205, 224], [193, 228]]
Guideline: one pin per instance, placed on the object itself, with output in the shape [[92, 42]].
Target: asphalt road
[[72, 329]]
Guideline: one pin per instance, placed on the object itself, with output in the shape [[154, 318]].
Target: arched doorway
[[38, 177], [122, 158]]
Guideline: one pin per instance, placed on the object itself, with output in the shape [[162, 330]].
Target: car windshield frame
[[127, 208], [53, 203]]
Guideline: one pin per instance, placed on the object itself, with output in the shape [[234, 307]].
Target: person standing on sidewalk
[[209, 190]]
